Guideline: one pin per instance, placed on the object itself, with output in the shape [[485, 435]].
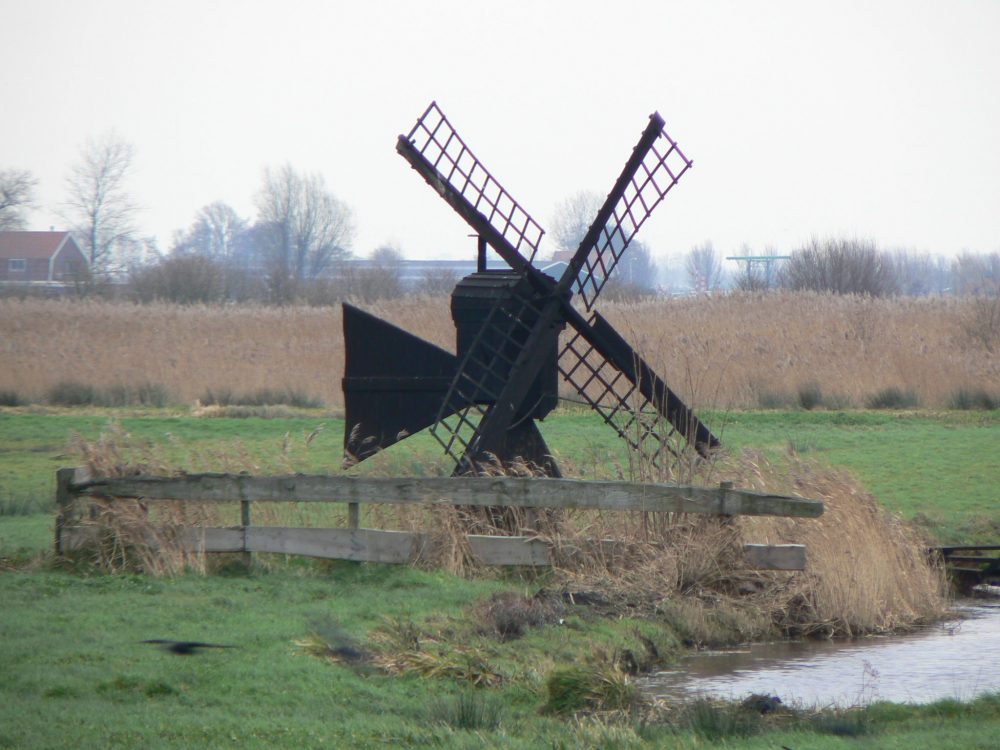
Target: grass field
[[76, 675], [940, 468]]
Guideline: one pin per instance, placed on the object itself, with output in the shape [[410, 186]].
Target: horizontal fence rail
[[375, 545], [512, 492]]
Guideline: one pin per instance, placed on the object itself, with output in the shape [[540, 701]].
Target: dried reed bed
[[734, 350], [866, 570], [189, 350], [130, 534], [725, 352]]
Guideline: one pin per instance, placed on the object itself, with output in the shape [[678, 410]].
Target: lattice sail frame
[[435, 139], [618, 401], [435, 150], [661, 168]]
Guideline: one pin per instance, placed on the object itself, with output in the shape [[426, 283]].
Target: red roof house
[[40, 256]]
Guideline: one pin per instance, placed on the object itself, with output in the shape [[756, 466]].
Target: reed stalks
[[741, 349], [866, 570]]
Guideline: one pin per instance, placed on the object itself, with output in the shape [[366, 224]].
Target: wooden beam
[[515, 492], [404, 547], [362, 545]]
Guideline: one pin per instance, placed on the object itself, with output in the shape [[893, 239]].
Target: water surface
[[954, 659]]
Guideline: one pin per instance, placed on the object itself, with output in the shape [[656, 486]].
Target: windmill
[[482, 403]]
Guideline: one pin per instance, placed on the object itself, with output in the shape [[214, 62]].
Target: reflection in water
[[955, 659]]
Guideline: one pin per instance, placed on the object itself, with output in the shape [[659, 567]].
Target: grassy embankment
[[939, 468], [76, 676], [79, 678], [75, 662]]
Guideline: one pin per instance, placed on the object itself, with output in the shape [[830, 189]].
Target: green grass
[[942, 468], [939, 467], [75, 674], [34, 445]]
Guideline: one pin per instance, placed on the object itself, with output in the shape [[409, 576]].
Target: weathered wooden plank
[[205, 539], [66, 480], [210, 539], [64, 500], [775, 556], [361, 545], [372, 545], [519, 492], [510, 550], [402, 547]]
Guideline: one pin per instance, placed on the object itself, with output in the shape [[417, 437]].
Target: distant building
[[40, 257]]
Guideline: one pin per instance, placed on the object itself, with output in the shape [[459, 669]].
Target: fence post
[[726, 485], [353, 515], [245, 522], [64, 501]]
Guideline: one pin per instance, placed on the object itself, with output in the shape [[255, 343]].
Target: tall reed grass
[[733, 351], [866, 570]]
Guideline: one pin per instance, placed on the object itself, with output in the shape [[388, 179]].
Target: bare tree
[[381, 278], [752, 278], [573, 218], [303, 227], [180, 278], [98, 205], [920, 274], [635, 273], [704, 267], [842, 266], [217, 233], [17, 197], [435, 283], [976, 274]]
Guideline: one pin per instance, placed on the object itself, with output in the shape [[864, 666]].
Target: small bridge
[[971, 564]]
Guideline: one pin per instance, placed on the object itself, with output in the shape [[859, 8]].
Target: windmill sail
[[394, 383], [483, 403], [627, 393], [656, 164], [442, 158]]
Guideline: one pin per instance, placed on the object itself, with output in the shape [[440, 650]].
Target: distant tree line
[[849, 266], [298, 247]]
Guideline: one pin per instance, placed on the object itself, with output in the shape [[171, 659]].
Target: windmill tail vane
[[482, 403]]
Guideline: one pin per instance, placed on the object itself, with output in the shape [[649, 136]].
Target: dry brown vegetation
[[866, 571], [728, 351]]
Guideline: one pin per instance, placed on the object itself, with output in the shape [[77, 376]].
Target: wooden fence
[[376, 545]]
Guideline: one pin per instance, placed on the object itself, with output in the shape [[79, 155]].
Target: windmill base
[[523, 452]]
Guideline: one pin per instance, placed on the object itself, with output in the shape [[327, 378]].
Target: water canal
[[958, 658]]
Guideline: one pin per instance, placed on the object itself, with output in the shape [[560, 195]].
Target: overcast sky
[[872, 119]]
